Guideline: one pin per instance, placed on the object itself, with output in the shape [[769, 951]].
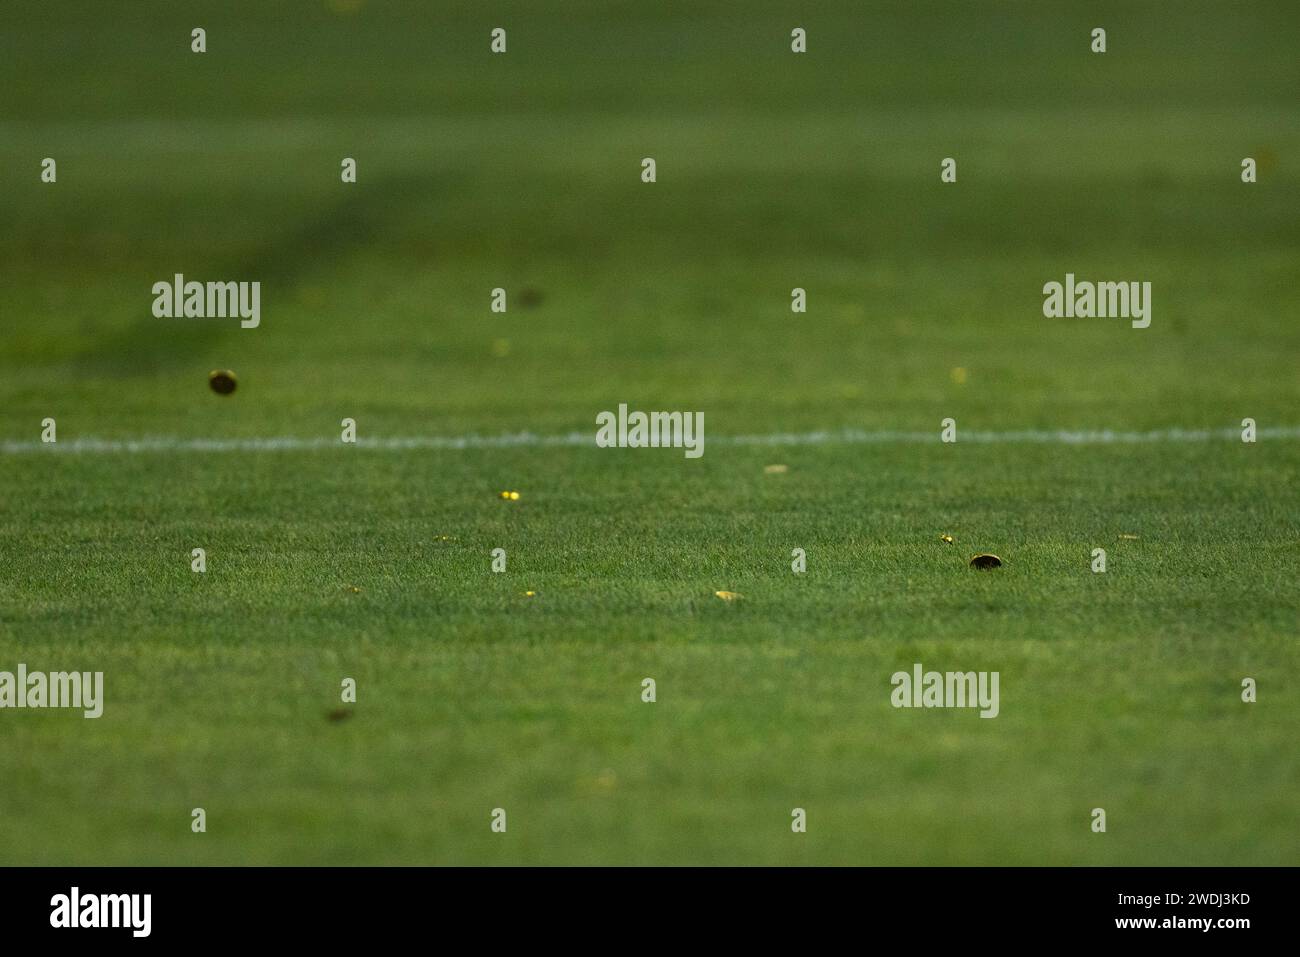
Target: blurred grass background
[[775, 170]]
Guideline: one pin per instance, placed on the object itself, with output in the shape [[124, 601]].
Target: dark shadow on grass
[[358, 221]]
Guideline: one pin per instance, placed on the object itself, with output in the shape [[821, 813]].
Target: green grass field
[[775, 170]]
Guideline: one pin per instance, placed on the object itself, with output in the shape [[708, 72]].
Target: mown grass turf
[[1118, 691]]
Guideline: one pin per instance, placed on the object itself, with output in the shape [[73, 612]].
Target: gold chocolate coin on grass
[[221, 381]]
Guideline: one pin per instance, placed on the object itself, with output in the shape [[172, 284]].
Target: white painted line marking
[[578, 439]]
